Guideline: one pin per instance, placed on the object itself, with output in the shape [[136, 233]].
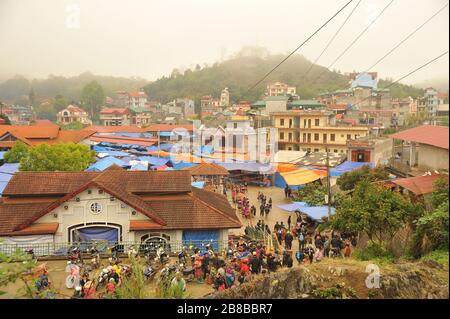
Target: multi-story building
[[431, 101], [225, 98], [279, 88], [131, 99], [115, 116], [313, 131], [141, 116], [209, 104], [73, 114]]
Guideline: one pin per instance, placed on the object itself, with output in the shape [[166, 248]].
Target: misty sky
[[149, 38]]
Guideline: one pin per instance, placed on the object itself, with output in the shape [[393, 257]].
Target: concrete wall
[[382, 152], [432, 158]]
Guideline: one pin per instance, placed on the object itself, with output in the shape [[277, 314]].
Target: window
[[342, 151], [289, 148], [309, 123], [281, 122], [96, 208], [335, 151], [304, 123], [316, 136], [332, 137], [349, 137], [290, 136], [304, 137], [316, 122], [290, 122], [324, 138], [281, 136], [316, 150], [235, 125]]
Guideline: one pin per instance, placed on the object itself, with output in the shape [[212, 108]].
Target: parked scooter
[[162, 256], [103, 278], [75, 256], [73, 279], [95, 258], [187, 271]]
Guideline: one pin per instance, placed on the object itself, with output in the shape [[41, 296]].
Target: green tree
[[434, 225], [58, 157], [60, 103], [349, 180], [16, 153], [313, 194], [74, 126], [6, 118], [373, 210], [93, 97]]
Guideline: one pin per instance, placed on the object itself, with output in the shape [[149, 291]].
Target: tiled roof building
[[133, 205]]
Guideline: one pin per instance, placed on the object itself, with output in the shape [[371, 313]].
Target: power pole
[[328, 184]]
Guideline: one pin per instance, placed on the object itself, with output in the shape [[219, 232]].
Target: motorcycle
[[75, 256], [95, 258], [126, 271], [30, 252], [150, 253], [162, 256], [132, 252], [103, 278], [73, 279], [149, 272], [188, 272]]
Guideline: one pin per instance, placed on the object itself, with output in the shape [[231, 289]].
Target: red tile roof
[[168, 127], [208, 169], [124, 140], [43, 133], [165, 197], [419, 185], [426, 134], [112, 110], [115, 129]]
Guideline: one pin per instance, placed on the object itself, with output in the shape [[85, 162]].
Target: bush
[[375, 250]]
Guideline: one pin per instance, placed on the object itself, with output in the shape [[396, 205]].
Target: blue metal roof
[[9, 168], [104, 163]]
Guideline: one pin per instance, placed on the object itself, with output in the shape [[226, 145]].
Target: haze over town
[[150, 38]]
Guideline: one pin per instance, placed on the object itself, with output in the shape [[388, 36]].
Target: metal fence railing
[[104, 247]]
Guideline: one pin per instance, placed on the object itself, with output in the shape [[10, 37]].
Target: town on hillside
[[125, 191]]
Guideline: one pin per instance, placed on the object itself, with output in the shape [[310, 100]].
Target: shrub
[[375, 250]]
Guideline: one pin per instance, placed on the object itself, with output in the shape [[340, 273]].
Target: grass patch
[[439, 256], [374, 251]]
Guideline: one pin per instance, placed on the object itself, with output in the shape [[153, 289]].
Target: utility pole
[[328, 184]]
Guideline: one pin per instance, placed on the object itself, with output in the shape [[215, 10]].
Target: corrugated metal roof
[[419, 185]]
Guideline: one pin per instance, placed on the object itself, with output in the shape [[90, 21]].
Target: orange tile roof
[[124, 140], [419, 185], [112, 110], [32, 131], [208, 169], [425, 134], [115, 129], [168, 127], [37, 229]]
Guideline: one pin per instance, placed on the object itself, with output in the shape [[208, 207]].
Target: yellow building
[[313, 131]]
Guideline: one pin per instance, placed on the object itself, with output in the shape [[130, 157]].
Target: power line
[[410, 35], [405, 76], [290, 54], [355, 40], [332, 39]]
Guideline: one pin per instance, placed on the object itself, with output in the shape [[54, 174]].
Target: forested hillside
[[18, 88]]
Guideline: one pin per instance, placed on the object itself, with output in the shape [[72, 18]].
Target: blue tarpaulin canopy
[[205, 149], [9, 168], [347, 166], [166, 134], [115, 153], [139, 167], [2, 155], [155, 161], [181, 165], [281, 183], [198, 184], [104, 163], [152, 148], [315, 212], [166, 147]]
